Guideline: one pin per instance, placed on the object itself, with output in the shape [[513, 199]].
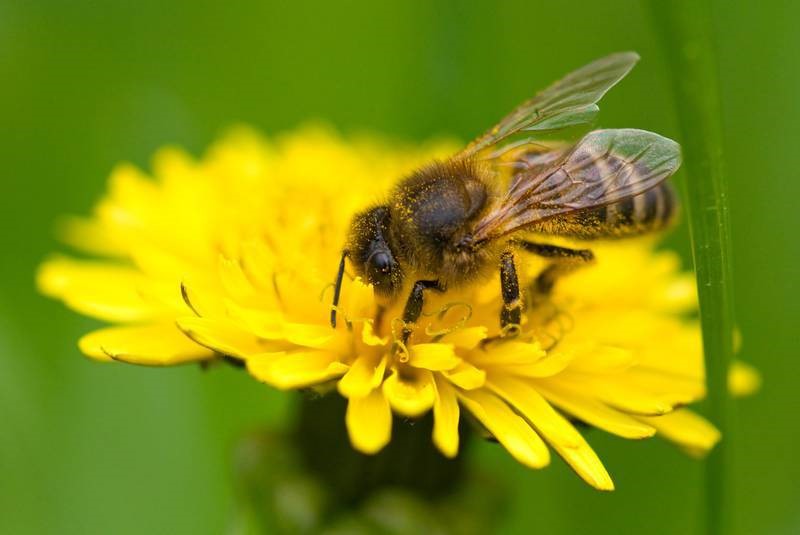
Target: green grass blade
[[686, 31]]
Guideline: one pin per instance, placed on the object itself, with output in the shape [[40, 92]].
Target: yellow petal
[[687, 429], [89, 344], [743, 379], [412, 394], [128, 182], [258, 263], [364, 375], [595, 413], [223, 336], [558, 432], [369, 422], [298, 369], [553, 363], [159, 261], [234, 279], [357, 300], [467, 338], [91, 236], [584, 461], [203, 299], [625, 396], [511, 431], [602, 359], [674, 389], [148, 345], [445, 418], [266, 324], [530, 403], [309, 335], [466, 376], [101, 290], [369, 337], [508, 354], [434, 357]]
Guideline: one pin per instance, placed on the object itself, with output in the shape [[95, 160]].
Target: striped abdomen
[[647, 212]]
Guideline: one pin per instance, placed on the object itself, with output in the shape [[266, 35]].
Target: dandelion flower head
[[231, 256]]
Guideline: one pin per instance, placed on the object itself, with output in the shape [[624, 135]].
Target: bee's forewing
[[604, 167]]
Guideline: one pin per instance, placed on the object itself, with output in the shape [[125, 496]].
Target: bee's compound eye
[[381, 262], [379, 267]]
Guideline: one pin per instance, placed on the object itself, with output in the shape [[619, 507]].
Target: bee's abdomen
[[647, 212], [650, 211]]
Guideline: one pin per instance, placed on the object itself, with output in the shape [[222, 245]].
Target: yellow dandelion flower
[[233, 255]]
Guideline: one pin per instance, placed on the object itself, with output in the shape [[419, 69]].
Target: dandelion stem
[[686, 31]]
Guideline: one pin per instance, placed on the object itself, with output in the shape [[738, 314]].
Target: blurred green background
[[88, 448]]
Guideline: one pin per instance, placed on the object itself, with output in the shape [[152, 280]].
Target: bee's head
[[371, 253]]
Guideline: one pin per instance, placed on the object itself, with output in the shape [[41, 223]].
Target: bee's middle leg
[[413, 307]]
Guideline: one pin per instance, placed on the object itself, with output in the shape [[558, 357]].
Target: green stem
[[686, 31]]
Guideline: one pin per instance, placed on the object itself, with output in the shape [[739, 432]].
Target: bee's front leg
[[337, 287], [414, 303]]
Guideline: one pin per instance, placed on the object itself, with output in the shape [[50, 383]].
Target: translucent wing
[[569, 102], [604, 167]]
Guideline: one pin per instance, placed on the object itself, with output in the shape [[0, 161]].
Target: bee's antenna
[[337, 287]]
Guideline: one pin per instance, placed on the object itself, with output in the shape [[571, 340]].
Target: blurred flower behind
[[231, 257]]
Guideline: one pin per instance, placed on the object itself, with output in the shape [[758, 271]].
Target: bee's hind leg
[[562, 261]]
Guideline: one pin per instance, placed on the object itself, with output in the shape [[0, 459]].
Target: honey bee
[[448, 223]]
